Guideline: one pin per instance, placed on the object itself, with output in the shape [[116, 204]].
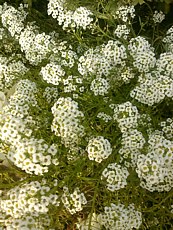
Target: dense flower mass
[[81, 17], [66, 122], [73, 202], [115, 177], [126, 115], [153, 87], [101, 60], [99, 149], [23, 207], [155, 168], [86, 118], [119, 217]]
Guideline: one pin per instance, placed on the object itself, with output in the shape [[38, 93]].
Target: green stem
[[93, 203]]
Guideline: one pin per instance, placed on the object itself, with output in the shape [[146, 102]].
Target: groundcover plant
[[86, 115]]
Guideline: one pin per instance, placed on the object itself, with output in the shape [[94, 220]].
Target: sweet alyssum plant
[[85, 118]]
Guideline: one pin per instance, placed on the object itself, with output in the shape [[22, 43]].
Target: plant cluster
[[86, 117]]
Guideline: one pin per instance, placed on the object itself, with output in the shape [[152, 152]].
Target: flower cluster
[[12, 129], [167, 128], [119, 217], [169, 35], [132, 142], [22, 207], [98, 149], [158, 17], [101, 60], [100, 86], [115, 176], [126, 115], [52, 73], [15, 118], [66, 122], [10, 72], [105, 117], [63, 54], [123, 75], [81, 17], [142, 53], [33, 156], [155, 168], [125, 13], [51, 94], [152, 88], [73, 202], [122, 31], [13, 19], [165, 64], [73, 84], [36, 46]]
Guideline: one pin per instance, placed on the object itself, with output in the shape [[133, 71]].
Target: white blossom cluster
[[13, 19], [25, 152], [51, 94], [101, 60], [169, 36], [132, 142], [36, 46], [14, 116], [158, 17], [133, 139], [125, 13], [167, 128], [155, 168], [66, 122], [22, 208], [115, 176], [100, 86], [34, 156], [73, 202], [126, 115], [63, 54], [27, 222], [5, 42], [80, 17], [127, 74], [152, 88], [119, 217], [10, 71], [165, 64], [98, 149], [142, 53], [72, 84], [21, 96], [122, 31], [12, 129], [105, 117], [122, 75], [52, 73]]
